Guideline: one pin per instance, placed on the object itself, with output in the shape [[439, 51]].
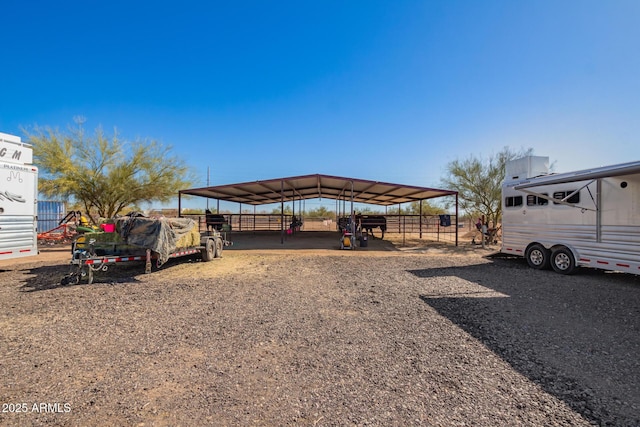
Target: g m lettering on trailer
[[14, 156]]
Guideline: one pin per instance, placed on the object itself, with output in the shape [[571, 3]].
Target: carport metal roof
[[317, 186]]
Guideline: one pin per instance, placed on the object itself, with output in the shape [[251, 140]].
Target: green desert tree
[[427, 208], [412, 208], [478, 182], [103, 173], [320, 212], [287, 210]]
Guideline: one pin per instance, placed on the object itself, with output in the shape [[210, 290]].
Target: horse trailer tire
[[538, 257], [562, 261], [208, 253]]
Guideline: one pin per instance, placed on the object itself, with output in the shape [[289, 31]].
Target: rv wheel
[[538, 257], [562, 261]]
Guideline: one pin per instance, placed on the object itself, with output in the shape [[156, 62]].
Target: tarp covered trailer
[[140, 239], [585, 218]]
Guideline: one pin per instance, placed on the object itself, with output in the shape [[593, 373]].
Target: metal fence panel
[[49, 214]]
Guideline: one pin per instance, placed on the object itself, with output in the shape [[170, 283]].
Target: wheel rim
[[562, 261], [537, 257]]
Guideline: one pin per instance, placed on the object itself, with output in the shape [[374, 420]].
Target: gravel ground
[[413, 337]]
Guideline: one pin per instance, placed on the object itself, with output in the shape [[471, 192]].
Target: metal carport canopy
[[315, 187]]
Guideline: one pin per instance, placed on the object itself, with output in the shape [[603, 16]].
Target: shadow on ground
[[576, 336], [248, 240], [51, 277]]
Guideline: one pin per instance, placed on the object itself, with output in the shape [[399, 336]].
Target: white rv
[[18, 199], [585, 218]]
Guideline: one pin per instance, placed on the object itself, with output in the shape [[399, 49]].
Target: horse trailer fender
[[571, 248]]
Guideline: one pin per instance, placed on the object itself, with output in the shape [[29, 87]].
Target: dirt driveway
[[423, 334]]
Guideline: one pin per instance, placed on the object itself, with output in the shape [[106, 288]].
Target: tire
[[209, 251], [538, 257], [218, 248], [562, 261]]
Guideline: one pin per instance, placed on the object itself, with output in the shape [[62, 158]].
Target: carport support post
[[344, 207], [404, 229], [457, 225], [282, 212], [179, 204], [420, 219], [353, 220]]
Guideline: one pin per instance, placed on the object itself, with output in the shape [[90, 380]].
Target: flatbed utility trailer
[[94, 252], [585, 218]]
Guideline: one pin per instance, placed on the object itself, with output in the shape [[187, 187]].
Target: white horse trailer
[[18, 199], [586, 218]]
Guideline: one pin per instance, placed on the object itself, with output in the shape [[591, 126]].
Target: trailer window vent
[[513, 201], [562, 194], [537, 201]]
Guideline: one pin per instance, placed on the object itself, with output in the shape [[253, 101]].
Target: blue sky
[[381, 90]]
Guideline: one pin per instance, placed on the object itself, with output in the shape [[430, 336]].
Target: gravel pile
[[332, 338]]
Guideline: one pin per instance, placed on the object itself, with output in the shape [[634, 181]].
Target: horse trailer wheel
[[538, 257], [562, 261], [209, 251]]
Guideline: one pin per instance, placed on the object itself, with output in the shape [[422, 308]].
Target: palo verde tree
[[479, 183], [104, 174]]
